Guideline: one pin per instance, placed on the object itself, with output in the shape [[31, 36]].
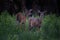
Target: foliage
[[10, 30]]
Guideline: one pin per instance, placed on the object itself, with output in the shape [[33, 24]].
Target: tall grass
[[10, 30]]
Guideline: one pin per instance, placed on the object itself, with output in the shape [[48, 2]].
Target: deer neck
[[41, 16]]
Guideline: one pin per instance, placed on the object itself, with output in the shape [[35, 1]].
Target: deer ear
[[45, 11]]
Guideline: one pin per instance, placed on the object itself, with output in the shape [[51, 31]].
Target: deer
[[29, 13], [21, 19], [36, 22]]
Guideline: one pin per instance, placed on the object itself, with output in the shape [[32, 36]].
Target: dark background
[[9, 5]]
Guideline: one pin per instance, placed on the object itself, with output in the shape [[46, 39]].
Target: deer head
[[41, 14], [29, 12]]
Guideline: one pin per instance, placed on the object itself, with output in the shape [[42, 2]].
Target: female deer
[[36, 22], [21, 18]]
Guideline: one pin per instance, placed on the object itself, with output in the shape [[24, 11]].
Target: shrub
[[50, 28], [9, 30]]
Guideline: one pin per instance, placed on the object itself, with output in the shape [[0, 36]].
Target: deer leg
[[38, 28], [20, 26], [30, 27], [24, 27]]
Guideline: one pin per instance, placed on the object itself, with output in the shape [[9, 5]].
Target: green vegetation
[[10, 30]]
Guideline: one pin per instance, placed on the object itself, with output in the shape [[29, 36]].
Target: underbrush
[[10, 30]]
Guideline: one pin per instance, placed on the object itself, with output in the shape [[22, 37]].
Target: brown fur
[[36, 22], [21, 19]]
